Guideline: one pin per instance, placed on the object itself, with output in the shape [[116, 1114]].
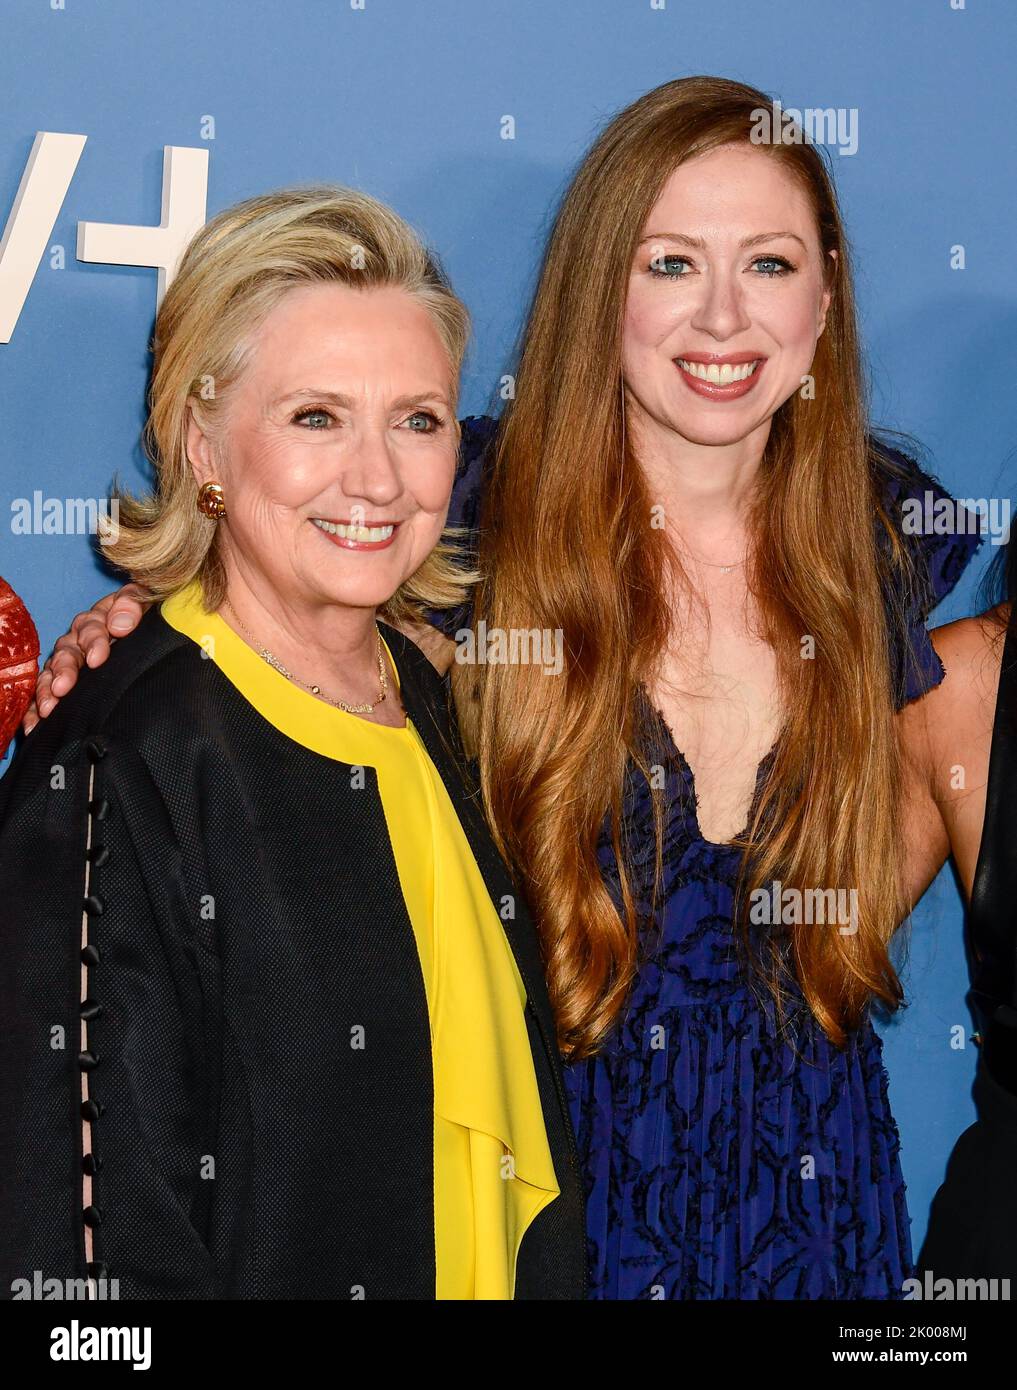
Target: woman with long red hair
[[685, 491]]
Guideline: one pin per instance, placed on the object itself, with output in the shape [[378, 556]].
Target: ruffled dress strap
[[472, 472], [939, 538]]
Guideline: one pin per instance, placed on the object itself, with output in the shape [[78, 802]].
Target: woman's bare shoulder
[[971, 650], [951, 726]]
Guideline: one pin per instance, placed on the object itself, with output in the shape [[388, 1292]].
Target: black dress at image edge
[[973, 1223]]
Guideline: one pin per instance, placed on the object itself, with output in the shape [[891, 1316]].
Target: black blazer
[[226, 903]]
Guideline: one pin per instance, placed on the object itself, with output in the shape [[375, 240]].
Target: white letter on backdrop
[[40, 196], [184, 189]]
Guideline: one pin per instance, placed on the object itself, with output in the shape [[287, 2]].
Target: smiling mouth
[[720, 373], [349, 531]]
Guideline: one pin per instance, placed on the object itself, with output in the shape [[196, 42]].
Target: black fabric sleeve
[[108, 1106]]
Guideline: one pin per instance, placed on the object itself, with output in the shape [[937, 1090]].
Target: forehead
[[326, 326], [738, 189]]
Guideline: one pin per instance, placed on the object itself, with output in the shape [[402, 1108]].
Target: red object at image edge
[[19, 662]]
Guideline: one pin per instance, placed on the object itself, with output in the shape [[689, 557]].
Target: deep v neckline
[[689, 777]]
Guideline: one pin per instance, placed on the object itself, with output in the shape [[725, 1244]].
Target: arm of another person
[[114, 616], [947, 740]]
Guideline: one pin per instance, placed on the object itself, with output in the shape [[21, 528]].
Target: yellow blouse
[[493, 1171]]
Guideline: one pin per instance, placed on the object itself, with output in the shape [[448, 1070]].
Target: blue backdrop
[[405, 98]]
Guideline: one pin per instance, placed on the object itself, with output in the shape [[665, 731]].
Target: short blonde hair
[[233, 273]]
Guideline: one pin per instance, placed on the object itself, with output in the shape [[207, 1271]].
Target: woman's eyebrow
[[773, 236], [313, 393], [347, 402]]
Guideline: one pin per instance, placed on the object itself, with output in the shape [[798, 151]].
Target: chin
[[716, 433], [362, 598], [353, 592]]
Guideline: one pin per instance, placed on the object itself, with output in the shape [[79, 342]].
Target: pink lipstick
[[350, 535], [720, 376]]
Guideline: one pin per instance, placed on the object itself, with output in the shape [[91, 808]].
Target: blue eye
[[778, 265], [431, 421], [315, 417], [669, 267]]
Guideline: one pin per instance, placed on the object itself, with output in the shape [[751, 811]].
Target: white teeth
[[722, 375], [354, 533]]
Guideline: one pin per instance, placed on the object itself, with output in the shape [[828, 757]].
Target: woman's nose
[[721, 310], [372, 471]]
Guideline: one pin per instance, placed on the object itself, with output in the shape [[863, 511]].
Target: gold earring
[[210, 501]]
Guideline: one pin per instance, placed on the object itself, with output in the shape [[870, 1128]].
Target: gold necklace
[[714, 564], [277, 665]]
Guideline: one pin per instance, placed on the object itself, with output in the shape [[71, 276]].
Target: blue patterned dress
[[724, 1159]]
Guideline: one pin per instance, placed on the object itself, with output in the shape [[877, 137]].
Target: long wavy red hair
[[567, 544]]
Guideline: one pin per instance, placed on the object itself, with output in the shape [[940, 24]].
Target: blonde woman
[[685, 490], [274, 1021]]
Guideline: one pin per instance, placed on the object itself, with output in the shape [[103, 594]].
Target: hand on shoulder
[[87, 641]]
